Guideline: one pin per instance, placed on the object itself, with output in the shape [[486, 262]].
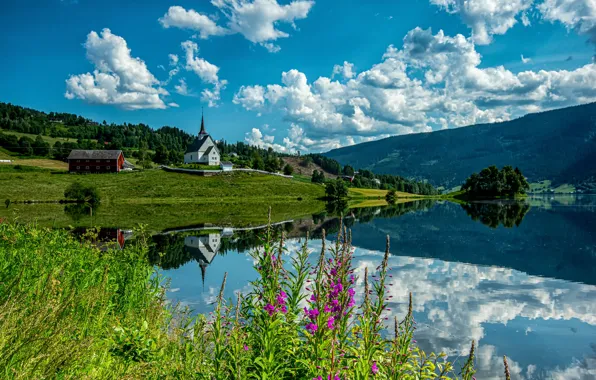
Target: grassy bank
[[159, 217], [70, 311], [157, 186], [377, 193]]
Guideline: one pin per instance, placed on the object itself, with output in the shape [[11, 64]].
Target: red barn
[[95, 161]]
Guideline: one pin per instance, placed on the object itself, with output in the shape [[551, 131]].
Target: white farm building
[[203, 150]]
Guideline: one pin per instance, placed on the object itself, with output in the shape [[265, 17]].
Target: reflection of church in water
[[204, 248]]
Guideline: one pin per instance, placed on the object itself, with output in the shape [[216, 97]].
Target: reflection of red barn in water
[[107, 238]]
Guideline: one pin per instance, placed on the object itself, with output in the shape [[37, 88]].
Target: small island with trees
[[494, 183]]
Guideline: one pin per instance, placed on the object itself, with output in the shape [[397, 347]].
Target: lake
[[517, 277]]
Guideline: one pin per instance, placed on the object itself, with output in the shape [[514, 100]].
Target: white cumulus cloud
[[578, 15], [487, 17], [118, 78], [205, 70], [433, 82], [179, 17], [256, 20], [182, 88], [346, 70]]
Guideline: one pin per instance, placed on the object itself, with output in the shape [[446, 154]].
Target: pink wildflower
[[374, 369]]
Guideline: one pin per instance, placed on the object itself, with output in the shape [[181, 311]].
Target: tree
[[161, 155], [272, 164], [348, 170], [306, 161], [25, 146], [82, 193], [288, 169], [257, 161], [391, 196], [317, 177], [492, 182], [40, 147], [336, 190]]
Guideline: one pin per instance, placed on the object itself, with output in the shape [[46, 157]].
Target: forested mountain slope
[[558, 145]]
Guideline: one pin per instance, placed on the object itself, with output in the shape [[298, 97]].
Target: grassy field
[[546, 186], [159, 217], [375, 193], [4, 155], [377, 202], [50, 140], [44, 163], [157, 186]]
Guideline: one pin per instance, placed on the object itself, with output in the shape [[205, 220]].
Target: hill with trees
[[26, 132], [558, 145], [492, 182]]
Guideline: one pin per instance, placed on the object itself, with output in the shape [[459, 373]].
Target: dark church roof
[[78, 154], [197, 144], [200, 140]]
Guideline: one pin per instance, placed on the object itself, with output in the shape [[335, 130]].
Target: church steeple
[[203, 132], [203, 266]]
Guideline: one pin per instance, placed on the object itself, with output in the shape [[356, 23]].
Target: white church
[[203, 150], [203, 249]]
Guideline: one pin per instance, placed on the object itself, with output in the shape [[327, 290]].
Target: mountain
[[558, 145]]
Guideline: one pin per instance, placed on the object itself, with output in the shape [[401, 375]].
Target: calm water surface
[[520, 279]]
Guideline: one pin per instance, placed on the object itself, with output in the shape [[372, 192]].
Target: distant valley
[[557, 146]]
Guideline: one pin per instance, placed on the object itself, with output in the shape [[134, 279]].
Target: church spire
[[203, 266], [203, 132]]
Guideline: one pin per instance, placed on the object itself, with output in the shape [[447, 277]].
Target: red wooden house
[[95, 161]]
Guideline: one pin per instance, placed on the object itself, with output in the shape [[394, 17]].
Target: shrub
[[391, 196], [82, 193], [288, 169]]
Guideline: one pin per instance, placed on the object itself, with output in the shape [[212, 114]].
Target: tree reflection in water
[[493, 214]]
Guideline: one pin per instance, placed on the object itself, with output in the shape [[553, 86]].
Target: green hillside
[[156, 186], [558, 145]]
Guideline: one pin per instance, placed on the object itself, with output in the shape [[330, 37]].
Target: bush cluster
[[82, 193]]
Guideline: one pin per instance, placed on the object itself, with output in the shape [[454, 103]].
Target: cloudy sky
[[299, 75]]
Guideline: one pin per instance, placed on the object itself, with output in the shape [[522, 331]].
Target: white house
[[226, 166], [203, 150]]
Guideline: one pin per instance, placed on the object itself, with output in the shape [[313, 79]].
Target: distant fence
[[215, 172]]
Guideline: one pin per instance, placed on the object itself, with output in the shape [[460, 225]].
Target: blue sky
[[400, 66]]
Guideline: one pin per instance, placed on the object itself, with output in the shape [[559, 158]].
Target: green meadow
[[155, 186]]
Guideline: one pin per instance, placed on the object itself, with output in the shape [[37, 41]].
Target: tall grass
[[68, 310]]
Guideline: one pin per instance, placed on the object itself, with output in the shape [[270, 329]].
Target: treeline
[[165, 145], [365, 179], [83, 131]]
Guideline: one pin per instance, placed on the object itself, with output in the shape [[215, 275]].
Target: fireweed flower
[[312, 314], [330, 322], [374, 369], [312, 328], [270, 309]]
